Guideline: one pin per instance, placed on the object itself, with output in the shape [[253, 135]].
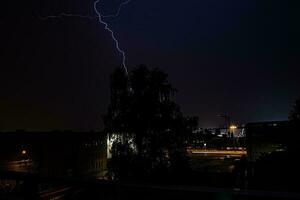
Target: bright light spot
[[24, 152], [233, 127]]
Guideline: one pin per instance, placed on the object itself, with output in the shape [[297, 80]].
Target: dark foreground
[[31, 187]]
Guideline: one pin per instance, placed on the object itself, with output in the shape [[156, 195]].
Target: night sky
[[223, 56]]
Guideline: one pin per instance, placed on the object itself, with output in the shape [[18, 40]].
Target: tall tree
[[142, 105]]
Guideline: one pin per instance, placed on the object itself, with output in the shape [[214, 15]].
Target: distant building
[[232, 131], [265, 137]]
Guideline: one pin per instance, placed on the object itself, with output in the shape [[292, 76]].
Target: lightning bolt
[[100, 19], [61, 15], [69, 14], [106, 26], [118, 11]]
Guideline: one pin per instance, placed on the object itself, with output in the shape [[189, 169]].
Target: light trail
[[223, 152]]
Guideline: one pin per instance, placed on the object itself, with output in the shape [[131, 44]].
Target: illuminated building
[[265, 137]]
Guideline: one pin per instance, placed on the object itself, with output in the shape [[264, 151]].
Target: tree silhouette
[[143, 107]]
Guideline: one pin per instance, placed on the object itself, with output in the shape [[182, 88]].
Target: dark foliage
[[143, 107]]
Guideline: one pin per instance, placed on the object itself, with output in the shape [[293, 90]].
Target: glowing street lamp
[[23, 152], [233, 127]]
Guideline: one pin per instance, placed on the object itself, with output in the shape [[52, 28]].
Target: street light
[[233, 127], [24, 152]]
